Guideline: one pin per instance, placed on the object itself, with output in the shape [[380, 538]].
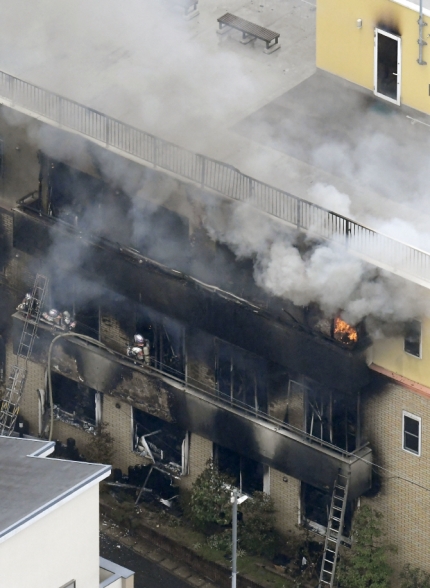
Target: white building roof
[[31, 485]]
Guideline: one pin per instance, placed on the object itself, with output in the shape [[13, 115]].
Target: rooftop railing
[[376, 248]]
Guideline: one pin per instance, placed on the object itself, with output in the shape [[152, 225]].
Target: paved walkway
[[171, 572]]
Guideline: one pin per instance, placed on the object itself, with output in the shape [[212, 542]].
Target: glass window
[[411, 433], [413, 338]]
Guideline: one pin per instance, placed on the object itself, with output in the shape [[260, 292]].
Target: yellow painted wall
[[347, 51], [389, 354]]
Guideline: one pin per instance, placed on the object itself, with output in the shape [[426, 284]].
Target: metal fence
[[220, 177]]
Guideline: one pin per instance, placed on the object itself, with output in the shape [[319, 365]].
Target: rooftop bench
[[250, 31], [189, 6]]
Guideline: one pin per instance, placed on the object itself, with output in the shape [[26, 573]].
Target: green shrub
[[257, 534], [366, 565], [221, 541]]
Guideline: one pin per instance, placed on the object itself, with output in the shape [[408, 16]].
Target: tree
[[210, 498], [100, 449], [414, 577], [366, 566]]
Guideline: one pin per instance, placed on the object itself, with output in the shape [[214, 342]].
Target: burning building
[[190, 349]]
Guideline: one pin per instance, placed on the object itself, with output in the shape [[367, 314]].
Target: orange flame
[[344, 332]]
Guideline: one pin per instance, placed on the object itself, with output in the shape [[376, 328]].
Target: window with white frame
[[411, 433], [412, 343]]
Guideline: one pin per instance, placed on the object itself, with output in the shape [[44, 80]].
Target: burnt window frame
[[83, 422], [408, 351], [318, 527], [158, 329], [243, 461], [224, 353], [185, 445], [414, 417]]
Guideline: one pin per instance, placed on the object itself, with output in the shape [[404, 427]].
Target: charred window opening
[[160, 441], [200, 360], [74, 401], [87, 319], [344, 333], [246, 474], [82, 200], [331, 417], [336, 329], [412, 342], [95, 206], [316, 509], [241, 376], [166, 341]]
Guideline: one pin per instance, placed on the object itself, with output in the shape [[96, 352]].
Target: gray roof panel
[[31, 483]]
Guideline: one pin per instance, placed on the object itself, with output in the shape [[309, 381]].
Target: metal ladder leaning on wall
[[334, 530], [10, 404]]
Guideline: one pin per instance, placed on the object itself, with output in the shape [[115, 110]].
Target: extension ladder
[[10, 404], [334, 530]]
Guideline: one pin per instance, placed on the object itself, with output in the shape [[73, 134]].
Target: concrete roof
[[31, 484]]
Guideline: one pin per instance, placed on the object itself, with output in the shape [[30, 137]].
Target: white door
[[387, 66]]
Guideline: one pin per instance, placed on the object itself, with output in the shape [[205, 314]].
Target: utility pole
[[235, 500]]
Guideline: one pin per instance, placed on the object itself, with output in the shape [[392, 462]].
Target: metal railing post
[[203, 170], [299, 214]]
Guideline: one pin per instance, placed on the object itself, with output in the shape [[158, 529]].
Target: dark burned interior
[[332, 417], [316, 509], [244, 473], [154, 438], [241, 376], [166, 338], [74, 400]]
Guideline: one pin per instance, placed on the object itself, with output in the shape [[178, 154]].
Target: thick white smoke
[[320, 272], [141, 62]]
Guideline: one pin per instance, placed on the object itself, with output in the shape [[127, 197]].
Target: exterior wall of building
[[390, 354], [285, 492], [403, 496], [118, 417], [348, 51], [201, 450], [68, 537]]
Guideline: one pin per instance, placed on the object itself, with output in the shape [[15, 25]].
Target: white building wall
[[60, 547]]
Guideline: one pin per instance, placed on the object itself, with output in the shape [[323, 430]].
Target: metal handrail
[[225, 179]]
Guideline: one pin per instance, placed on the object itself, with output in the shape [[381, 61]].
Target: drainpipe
[[421, 42]]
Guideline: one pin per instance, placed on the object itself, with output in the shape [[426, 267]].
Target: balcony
[[210, 415], [253, 327]]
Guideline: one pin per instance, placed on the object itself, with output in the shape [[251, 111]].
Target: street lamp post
[[235, 500]]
